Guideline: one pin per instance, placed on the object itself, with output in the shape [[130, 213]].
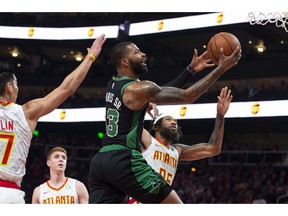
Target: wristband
[[190, 69], [92, 56]]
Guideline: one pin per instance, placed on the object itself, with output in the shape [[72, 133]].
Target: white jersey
[[15, 140], [162, 159], [65, 194]]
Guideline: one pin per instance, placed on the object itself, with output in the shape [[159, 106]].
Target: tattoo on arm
[[198, 88], [218, 131]]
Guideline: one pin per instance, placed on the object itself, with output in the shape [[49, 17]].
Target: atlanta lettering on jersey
[[64, 199], [7, 125], [166, 158]]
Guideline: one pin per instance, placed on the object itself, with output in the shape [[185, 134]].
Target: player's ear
[[9, 87], [155, 127], [48, 163], [124, 60]]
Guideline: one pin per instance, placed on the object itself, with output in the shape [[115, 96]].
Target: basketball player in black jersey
[[119, 168]]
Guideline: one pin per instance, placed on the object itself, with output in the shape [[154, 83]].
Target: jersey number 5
[[166, 175]]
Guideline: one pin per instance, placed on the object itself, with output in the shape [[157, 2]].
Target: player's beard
[[138, 68], [170, 135]]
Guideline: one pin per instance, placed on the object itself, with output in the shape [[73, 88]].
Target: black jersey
[[123, 125], [119, 169]]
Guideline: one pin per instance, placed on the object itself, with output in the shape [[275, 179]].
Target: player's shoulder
[[144, 83], [77, 181], [80, 185], [13, 105], [178, 147], [69, 179], [148, 83], [155, 142], [37, 189]]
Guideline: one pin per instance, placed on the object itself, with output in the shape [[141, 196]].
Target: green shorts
[[117, 171]]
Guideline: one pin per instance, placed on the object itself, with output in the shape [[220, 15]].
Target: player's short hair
[[6, 75], [118, 52], [51, 151]]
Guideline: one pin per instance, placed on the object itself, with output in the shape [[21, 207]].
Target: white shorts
[[11, 196]]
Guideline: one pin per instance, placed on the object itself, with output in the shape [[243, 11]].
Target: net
[[262, 18]]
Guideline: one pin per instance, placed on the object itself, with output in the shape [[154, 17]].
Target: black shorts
[[117, 171]]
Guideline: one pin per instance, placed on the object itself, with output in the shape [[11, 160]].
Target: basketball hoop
[[262, 18]]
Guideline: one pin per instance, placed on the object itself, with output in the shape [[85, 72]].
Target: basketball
[[228, 41]]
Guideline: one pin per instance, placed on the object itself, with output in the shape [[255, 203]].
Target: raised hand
[[153, 107], [226, 62], [224, 100], [201, 62], [96, 47]]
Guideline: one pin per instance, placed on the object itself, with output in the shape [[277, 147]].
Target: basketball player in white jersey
[[162, 152], [17, 122], [59, 189]]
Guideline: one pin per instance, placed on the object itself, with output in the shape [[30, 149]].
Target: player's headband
[[159, 117]]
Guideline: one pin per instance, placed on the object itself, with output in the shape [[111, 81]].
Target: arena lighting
[[186, 111], [150, 27], [188, 22], [100, 135], [75, 33], [36, 133]]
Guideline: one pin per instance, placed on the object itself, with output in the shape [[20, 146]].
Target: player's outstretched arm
[[198, 63], [138, 94], [39, 107], [214, 145], [196, 90]]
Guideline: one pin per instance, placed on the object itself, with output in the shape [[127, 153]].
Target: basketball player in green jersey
[[119, 168]]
